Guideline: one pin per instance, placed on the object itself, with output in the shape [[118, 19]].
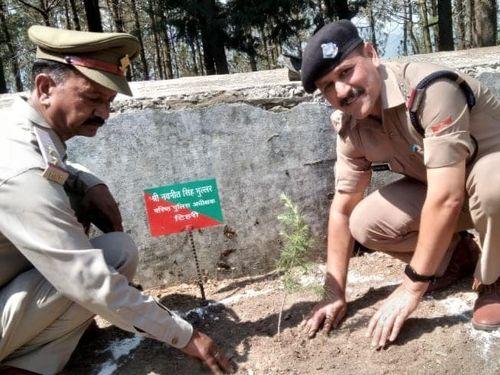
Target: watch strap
[[415, 276]]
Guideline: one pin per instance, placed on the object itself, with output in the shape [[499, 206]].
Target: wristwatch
[[414, 276]]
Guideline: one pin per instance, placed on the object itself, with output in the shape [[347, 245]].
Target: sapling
[[296, 242]]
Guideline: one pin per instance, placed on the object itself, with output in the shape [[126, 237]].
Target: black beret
[[326, 49]]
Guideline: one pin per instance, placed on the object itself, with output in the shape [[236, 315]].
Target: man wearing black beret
[[438, 128]]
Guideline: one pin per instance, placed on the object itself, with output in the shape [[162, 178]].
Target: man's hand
[[204, 348], [388, 320], [99, 207], [328, 312]]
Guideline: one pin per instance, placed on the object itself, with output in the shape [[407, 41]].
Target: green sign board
[[180, 207]]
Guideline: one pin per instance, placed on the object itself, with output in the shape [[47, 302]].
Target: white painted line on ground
[[118, 349], [463, 306], [202, 311]]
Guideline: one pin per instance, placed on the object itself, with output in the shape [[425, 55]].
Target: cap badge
[[125, 62], [330, 50]]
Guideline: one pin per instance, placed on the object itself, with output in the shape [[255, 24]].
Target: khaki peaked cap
[[101, 57]]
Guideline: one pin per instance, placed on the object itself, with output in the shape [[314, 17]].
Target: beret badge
[[330, 50]]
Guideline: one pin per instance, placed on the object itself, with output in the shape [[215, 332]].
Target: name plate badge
[[56, 174]]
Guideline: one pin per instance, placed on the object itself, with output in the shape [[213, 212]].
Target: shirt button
[[175, 340]]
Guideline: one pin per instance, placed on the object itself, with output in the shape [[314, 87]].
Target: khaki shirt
[[38, 228], [443, 113]]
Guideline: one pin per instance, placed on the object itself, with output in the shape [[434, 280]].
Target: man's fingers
[[314, 324], [327, 326], [386, 330], [224, 362], [377, 331], [308, 321], [397, 327], [211, 363], [333, 318], [338, 317], [373, 323]]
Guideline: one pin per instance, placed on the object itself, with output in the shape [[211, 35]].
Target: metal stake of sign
[[200, 280]]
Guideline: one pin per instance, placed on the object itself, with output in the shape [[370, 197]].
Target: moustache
[[95, 120], [354, 93]]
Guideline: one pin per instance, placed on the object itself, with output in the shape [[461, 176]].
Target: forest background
[[182, 38]]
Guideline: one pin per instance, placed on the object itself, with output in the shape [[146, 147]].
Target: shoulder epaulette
[[54, 166]]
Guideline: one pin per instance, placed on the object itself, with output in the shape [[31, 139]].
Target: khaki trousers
[[388, 219], [39, 327]]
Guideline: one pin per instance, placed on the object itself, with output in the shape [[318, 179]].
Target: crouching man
[[53, 280], [441, 130]]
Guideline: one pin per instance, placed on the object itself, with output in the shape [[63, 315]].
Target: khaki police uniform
[[53, 279], [388, 219]]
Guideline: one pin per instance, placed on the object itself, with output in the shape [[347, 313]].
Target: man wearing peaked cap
[[100, 57], [53, 279], [438, 128]]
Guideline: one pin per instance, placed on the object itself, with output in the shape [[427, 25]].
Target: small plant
[[296, 237], [297, 241]]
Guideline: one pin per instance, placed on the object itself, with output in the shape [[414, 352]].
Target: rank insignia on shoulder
[[54, 167]]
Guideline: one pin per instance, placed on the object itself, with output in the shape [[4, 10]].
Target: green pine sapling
[[296, 242]]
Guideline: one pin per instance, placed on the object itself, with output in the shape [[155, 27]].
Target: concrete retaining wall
[[257, 133]]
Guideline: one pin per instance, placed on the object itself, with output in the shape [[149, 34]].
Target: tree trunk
[[10, 46], [253, 62], [208, 58], [212, 37], [44, 11], [66, 15], [445, 26], [319, 19], [274, 56], [3, 83], [166, 45], [266, 50], [425, 26], [117, 16], [221, 65], [208, 55], [486, 23], [372, 25], [193, 56], [76, 20], [405, 28], [200, 57], [414, 42], [338, 8], [343, 11], [459, 22], [434, 25], [138, 33], [151, 11], [470, 24], [93, 15], [173, 54]]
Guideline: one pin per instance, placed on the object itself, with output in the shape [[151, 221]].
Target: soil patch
[[242, 317]]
